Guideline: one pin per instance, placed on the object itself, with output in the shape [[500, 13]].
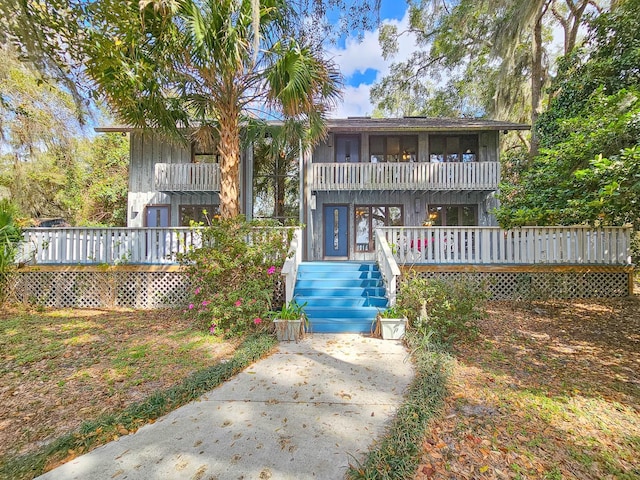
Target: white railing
[[111, 246], [527, 245], [388, 267], [291, 264], [118, 246], [406, 176], [186, 177]]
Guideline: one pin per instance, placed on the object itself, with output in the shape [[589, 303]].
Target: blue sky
[[362, 64]]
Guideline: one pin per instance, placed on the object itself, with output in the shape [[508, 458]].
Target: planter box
[[392, 328], [289, 330]]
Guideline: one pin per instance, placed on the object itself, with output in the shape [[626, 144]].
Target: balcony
[[186, 177], [457, 176]]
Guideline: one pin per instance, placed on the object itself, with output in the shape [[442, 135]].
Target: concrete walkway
[[305, 412]]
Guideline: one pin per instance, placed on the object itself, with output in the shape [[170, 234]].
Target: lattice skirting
[[537, 284], [84, 288]]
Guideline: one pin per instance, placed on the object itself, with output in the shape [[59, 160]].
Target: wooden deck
[[456, 176]]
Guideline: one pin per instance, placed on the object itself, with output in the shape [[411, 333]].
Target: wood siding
[[147, 150]]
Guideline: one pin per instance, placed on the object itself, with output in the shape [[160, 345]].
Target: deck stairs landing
[[340, 297]]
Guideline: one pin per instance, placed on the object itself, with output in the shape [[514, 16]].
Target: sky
[[361, 62]]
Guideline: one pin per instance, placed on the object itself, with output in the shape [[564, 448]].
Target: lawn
[[62, 367], [548, 391]]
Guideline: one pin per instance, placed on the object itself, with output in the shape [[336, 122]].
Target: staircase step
[[337, 266], [331, 275], [329, 325], [340, 292], [337, 283], [341, 301], [341, 312]]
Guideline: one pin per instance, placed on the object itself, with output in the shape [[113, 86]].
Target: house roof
[[360, 124], [431, 124]]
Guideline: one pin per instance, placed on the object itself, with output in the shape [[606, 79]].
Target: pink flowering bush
[[234, 276]]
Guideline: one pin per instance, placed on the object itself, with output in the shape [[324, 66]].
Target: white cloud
[[359, 56], [355, 102]]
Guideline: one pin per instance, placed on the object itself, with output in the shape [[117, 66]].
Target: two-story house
[[367, 173]]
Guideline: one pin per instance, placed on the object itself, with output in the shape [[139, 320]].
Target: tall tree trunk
[[229, 149], [537, 80]]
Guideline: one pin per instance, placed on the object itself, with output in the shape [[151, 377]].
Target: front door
[[336, 231], [157, 216]]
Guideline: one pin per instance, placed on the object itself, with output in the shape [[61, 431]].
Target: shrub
[[443, 310], [234, 275], [10, 236]]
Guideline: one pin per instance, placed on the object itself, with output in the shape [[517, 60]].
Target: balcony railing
[[406, 176], [527, 245], [186, 177]]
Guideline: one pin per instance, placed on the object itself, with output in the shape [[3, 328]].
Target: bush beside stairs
[[340, 297]]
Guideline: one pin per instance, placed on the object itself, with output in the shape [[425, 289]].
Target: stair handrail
[[290, 268], [388, 266]]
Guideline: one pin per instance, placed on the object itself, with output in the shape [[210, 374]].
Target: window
[[452, 215], [347, 148], [195, 213], [370, 217], [453, 148], [204, 154], [393, 148]]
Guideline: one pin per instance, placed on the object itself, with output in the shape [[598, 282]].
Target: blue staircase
[[341, 297]]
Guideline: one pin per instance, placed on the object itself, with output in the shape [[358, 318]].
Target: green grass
[[102, 429]]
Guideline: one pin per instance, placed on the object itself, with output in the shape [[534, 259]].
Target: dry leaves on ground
[[62, 367], [549, 390]]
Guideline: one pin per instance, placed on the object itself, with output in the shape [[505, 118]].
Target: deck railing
[[186, 177], [116, 246], [111, 246], [291, 264], [493, 245], [388, 267], [405, 176]]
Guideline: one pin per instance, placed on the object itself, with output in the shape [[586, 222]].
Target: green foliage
[[106, 182], [474, 57], [587, 169], [442, 310], [393, 312], [10, 236], [234, 276], [291, 311], [103, 429]]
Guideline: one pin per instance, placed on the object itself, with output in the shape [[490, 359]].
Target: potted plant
[[392, 323], [290, 322]]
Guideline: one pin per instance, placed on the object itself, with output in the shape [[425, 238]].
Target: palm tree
[[204, 67]]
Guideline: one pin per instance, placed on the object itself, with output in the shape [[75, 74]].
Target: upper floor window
[[204, 154], [393, 148], [347, 148], [453, 148]]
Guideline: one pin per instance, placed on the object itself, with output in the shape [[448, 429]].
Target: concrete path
[[303, 413]]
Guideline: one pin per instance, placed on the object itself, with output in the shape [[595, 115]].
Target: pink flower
[[212, 328], [272, 270], [205, 303], [238, 303], [197, 291], [191, 306], [257, 320]]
